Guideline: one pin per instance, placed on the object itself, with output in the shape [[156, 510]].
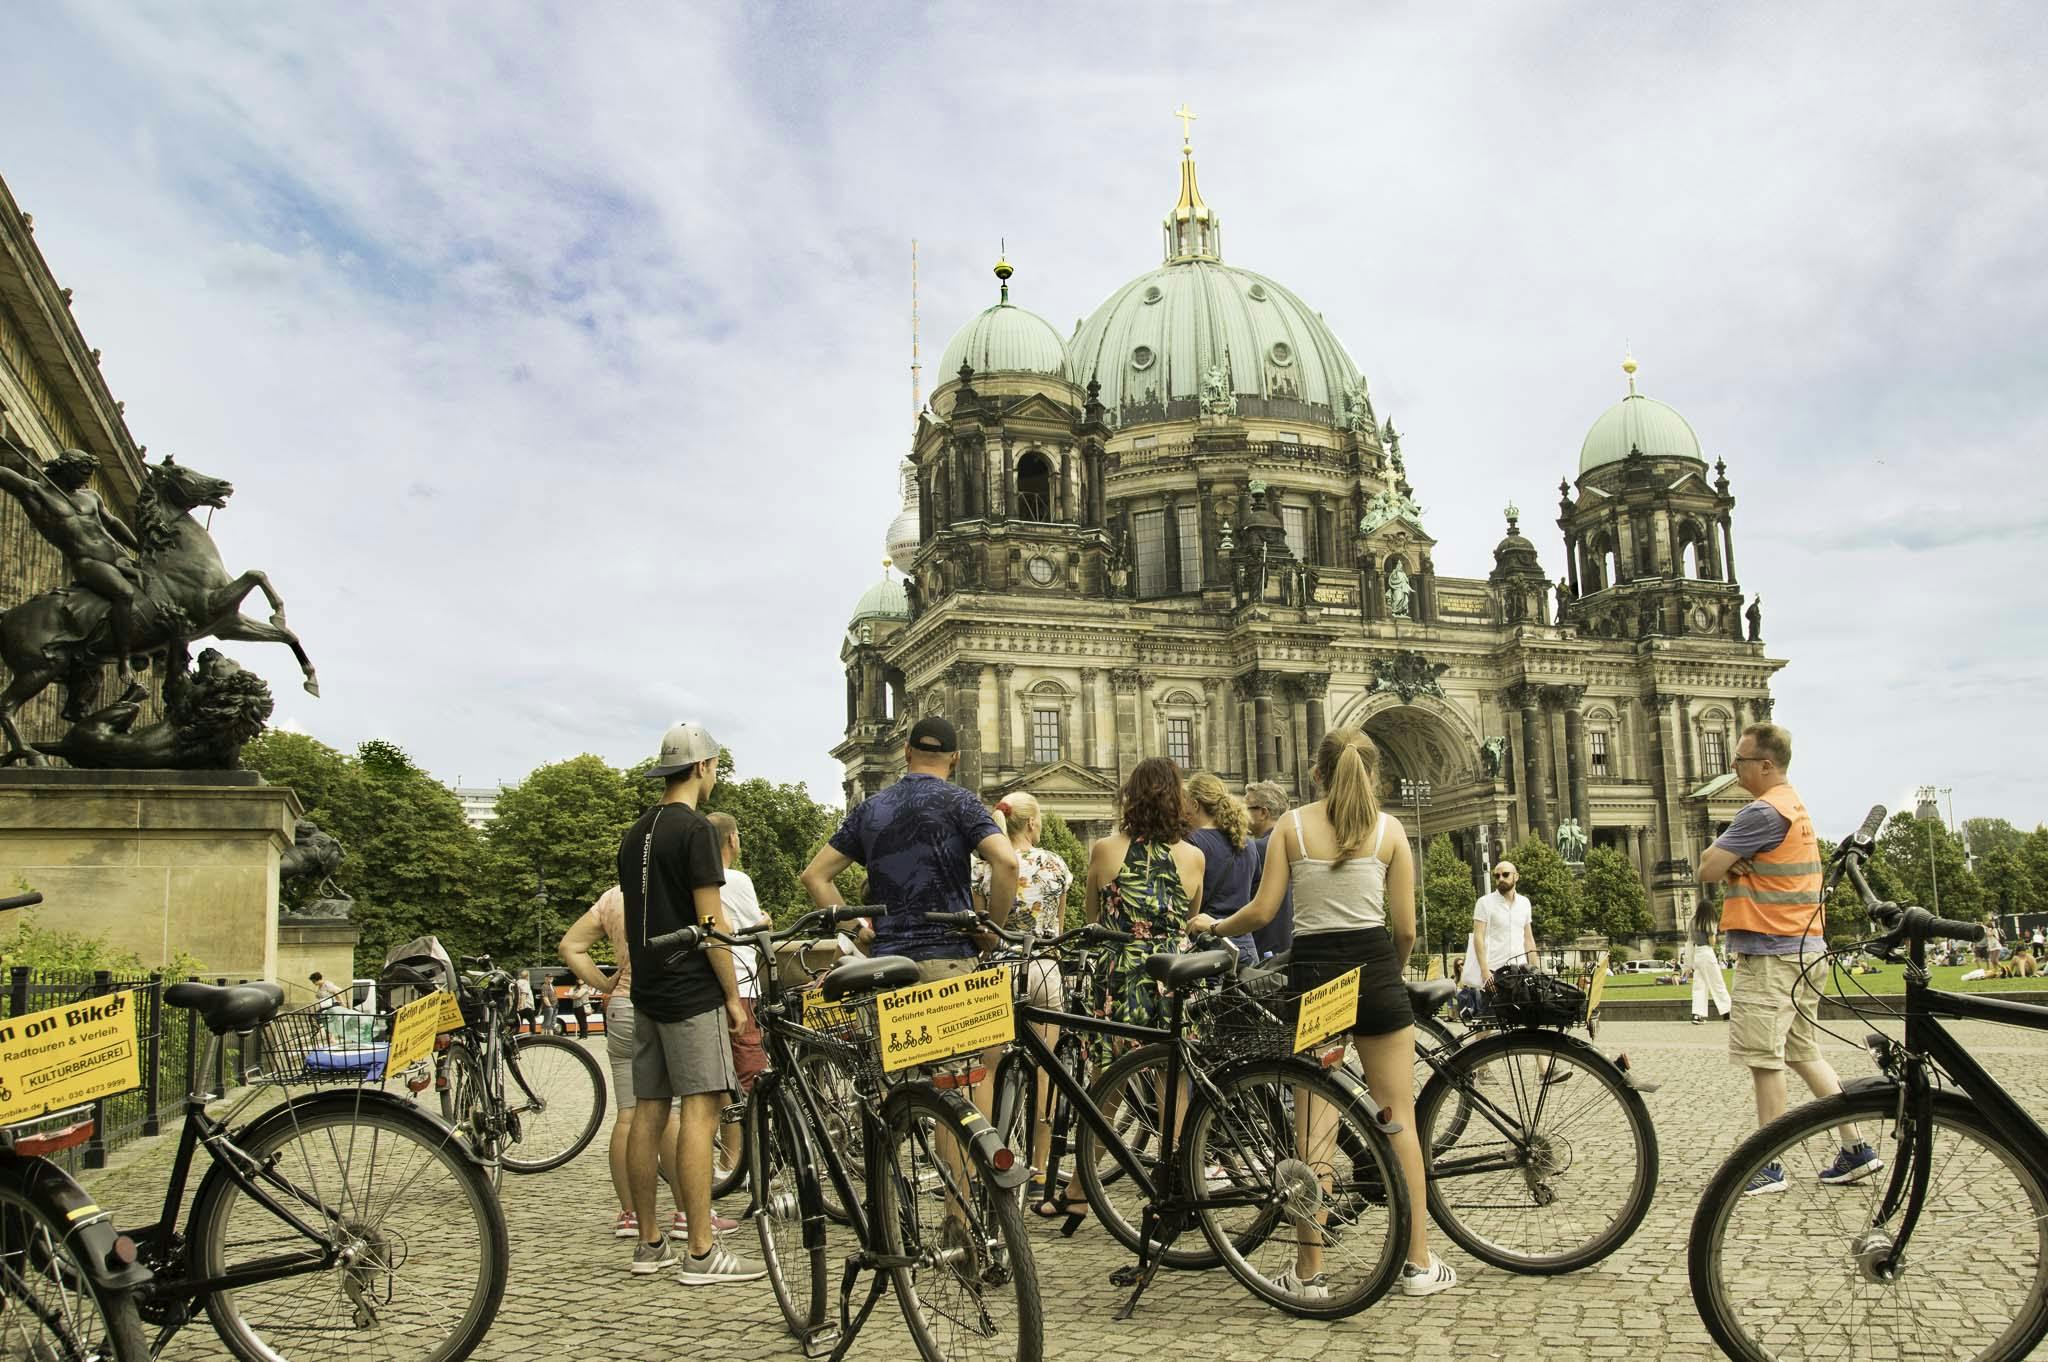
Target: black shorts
[[1383, 1005]]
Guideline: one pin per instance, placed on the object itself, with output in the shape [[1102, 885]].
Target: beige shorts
[[950, 967], [1772, 1014]]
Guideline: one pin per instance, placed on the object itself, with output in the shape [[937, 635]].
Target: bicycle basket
[[1249, 1020], [320, 1045], [1524, 997], [848, 1032]]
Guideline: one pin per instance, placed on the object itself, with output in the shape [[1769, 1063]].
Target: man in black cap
[[915, 839]]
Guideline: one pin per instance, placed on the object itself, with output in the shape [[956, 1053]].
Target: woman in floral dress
[[1146, 880]]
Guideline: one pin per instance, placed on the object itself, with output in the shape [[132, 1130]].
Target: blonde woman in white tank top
[[1353, 879]]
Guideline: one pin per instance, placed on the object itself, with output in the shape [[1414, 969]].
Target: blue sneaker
[[1852, 1164], [1769, 1178]]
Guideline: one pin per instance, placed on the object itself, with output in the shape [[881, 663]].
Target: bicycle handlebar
[[690, 938], [1092, 932], [1919, 924], [28, 900], [1900, 923]]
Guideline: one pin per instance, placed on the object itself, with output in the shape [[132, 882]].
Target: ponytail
[[1348, 767], [1224, 809]]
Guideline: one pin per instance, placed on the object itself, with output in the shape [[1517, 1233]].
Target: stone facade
[[1222, 577], [52, 398]]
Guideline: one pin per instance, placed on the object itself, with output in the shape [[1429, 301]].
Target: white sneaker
[[718, 1266], [1316, 1288], [1427, 1281]]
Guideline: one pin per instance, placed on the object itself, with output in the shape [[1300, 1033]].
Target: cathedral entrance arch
[[1428, 743]]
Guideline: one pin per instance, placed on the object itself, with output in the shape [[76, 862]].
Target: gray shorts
[[618, 1049], [682, 1058]]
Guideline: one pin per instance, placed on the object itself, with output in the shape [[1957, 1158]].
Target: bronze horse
[[64, 635]]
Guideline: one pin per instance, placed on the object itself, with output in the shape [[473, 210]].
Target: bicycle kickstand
[[1156, 1233], [850, 1322]]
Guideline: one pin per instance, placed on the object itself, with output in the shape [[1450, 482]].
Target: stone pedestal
[[309, 944], [154, 862]]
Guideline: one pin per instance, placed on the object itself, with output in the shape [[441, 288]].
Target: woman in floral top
[[1145, 880], [1042, 883]]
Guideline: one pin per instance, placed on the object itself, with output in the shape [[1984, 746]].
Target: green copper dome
[[1006, 339], [1158, 337], [884, 600], [1638, 422]]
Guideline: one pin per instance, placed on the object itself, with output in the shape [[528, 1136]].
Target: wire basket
[[847, 1032], [1238, 1023], [320, 1046]]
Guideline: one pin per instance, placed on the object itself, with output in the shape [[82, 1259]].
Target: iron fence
[[169, 1044]]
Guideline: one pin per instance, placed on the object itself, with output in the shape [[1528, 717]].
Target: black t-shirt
[[674, 850]]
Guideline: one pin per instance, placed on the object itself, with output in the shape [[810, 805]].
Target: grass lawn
[[1889, 979]]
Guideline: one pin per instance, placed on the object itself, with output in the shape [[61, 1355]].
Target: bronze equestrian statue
[[136, 595]]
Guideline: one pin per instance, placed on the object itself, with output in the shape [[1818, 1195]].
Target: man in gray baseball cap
[[683, 746]]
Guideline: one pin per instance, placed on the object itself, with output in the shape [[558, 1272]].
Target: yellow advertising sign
[[413, 1028], [819, 1014], [1327, 1010], [451, 1012], [929, 1022], [63, 1056]]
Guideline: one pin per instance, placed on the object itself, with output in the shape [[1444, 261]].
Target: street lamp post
[[1416, 794], [1925, 795]]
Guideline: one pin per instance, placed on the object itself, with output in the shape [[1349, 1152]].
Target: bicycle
[[68, 1278], [934, 1215], [1286, 1204], [554, 1104], [1938, 1248]]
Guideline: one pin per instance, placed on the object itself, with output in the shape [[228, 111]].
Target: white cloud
[[560, 359]]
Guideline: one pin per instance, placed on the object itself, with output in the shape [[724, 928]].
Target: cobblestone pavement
[[569, 1296]]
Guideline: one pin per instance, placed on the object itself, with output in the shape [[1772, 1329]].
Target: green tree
[[2033, 854], [1927, 865], [553, 845], [1985, 835], [1450, 890], [1611, 896], [1055, 836], [2008, 887], [780, 827], [1552, 890]]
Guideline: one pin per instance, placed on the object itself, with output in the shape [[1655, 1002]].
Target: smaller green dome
[[1638, 422], [884, 600], [1006, 339]]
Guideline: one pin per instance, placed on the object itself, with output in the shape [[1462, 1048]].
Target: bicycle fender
[[811, 1177], [89, 1230], [1340, 1074], [983, 1135], [1869, 1083]]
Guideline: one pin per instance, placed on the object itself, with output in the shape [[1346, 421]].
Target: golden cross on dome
[[1186, 116]]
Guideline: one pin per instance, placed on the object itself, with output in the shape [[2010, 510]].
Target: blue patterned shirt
[[917, 840]]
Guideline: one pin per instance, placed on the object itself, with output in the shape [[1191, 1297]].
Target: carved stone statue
[[1571, 841], [1358, 417], [210, 713], [1399, 593], [313, 854], [1118, 565], [1408, 675], [99, 550], [1564, 600], [1493, 755], [182, 593], [1755, 616], [1378, 512], [1217, 399]]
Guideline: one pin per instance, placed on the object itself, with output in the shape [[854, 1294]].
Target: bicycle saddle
[[1191, 967], [1429, 996], [865, 976], [239, 1007]]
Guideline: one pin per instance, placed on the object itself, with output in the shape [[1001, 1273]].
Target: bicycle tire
[[554, 1100], [1252, 1133], [446, 1202], [50, 1305], [724, 1181], [1586, 1140], [467, 1110], [1435, 1035], [1112, 1196], [777, 1155], [1729, 1236], [974, 1272], [839, 1107]]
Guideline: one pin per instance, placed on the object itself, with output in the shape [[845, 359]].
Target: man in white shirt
[[1502, 934], [743, 906]]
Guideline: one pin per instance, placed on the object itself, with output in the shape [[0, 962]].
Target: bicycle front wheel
[[1297, 1189], [793, 1254], [972, 1289], [419, 1240], [1803, 1272], [1543, 1158], [466, 1107], [554, 1102], [50, 1307]]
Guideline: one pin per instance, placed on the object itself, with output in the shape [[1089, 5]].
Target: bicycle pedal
[[821, 1341]]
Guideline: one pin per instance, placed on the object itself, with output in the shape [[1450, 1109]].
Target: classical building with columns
[[1185, 531]]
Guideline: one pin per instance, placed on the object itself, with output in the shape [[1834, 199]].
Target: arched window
[[1034, 487], [1694, 553]]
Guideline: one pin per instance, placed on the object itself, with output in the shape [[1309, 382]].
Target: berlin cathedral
[[1184, 531]]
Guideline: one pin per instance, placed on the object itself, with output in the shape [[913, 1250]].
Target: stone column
[[1687, 769], [1004, 755], [1266, 731], [1088, 752], [1314, 687], [1205, 521], [1728, 551], [1657, 712], [965, 679], [1214, 756], [1235, 730], [1063, 512], [1573, 698], [1176, 571], [1535, 772], [1125, 681], [1297, 731], [1326, 531], [1571, 563]]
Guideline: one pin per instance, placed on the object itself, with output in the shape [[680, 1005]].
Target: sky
[[560, 354]]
